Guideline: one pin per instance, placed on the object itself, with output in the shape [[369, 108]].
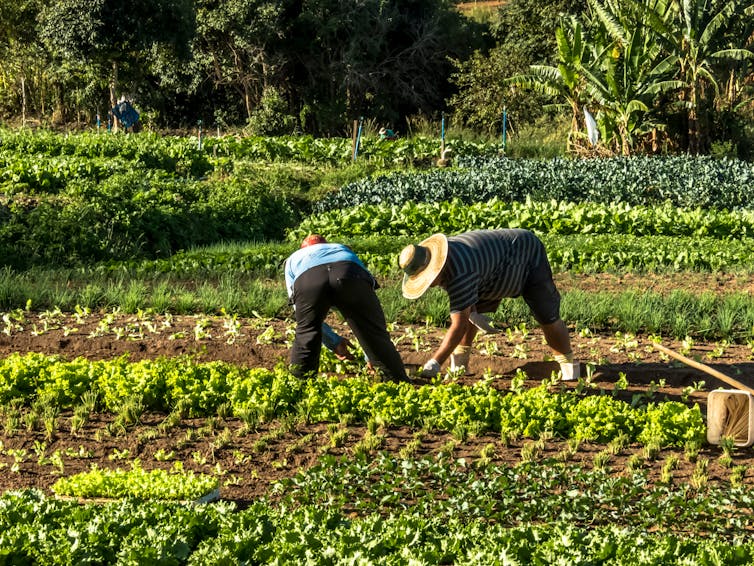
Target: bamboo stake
[[704, 368]]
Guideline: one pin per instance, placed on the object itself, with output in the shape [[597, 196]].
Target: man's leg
[[359, 304], [312, 299], [558, 337], [543, 299]]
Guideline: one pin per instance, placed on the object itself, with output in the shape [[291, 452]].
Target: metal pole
[[200, 133], [505, 124], [442, 134], [358, 139]]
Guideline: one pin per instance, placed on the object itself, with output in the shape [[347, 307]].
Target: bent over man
[[478, 269], [322, 275]]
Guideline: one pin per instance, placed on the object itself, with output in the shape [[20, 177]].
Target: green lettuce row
[[200, 388], [157, 484], [340, 150], [174, 153], [614, 253], [36, 530], [685, 181], [148, 150], [545, 491], [34, 174], [549, 217]]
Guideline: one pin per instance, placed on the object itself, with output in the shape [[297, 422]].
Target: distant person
[[126, 115], [386, 134], [478, 269], [322, 275]]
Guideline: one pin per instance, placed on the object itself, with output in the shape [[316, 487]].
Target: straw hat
[[312, 239], [422, 264]]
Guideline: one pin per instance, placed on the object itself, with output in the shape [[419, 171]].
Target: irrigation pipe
[[705, 368]]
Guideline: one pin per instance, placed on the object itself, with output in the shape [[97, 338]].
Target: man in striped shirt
[[478, 269]]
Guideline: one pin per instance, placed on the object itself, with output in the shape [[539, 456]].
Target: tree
[[238, 43], [385, 58], [566, 80], [23, 56], [627, 70], [697, 40], [522, 34], [108, 34]]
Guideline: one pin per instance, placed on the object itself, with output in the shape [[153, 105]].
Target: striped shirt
[[487, 265]]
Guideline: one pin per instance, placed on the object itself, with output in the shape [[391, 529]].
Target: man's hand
[[342, 351], [431, 368]]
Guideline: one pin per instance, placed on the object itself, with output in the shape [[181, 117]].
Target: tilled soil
[[249, 461]]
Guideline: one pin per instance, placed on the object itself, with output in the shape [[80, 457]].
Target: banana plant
[[564, 82], [698, 39], [629, 70]]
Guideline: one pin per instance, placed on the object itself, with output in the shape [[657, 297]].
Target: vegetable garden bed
[[167, 356]]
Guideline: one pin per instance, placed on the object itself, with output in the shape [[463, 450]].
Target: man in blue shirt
[[322, 275]]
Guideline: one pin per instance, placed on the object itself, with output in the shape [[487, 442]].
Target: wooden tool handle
[[704, 368]]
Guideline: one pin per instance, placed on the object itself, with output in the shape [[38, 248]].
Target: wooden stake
[[704, 368]]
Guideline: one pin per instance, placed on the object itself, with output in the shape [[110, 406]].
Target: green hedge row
[[586, 253], [135, 215], [685, 181], [549, 217], [416, 150]]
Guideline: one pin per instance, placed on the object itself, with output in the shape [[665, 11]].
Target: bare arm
[[459, 326]]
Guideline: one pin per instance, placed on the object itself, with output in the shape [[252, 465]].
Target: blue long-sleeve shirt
[[312, 256]]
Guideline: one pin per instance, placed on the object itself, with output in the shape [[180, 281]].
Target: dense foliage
[[558, 513], [684, 181], [274, 65], [411, 218]]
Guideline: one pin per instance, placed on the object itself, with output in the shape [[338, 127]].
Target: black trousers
[[349, 288]]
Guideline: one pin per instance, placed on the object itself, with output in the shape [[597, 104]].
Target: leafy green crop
[[684, 181], [550, 218], [201, 387], [34, 529], [137, 483], [543, 492]]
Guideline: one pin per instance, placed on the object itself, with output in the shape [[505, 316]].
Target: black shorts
[[539, 293]]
